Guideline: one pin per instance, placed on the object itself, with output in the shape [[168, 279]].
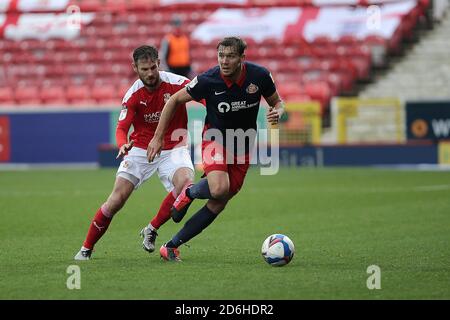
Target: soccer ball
[[278, 250]]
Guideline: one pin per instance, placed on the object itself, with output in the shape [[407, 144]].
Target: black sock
[[200, 190], [192, 227]]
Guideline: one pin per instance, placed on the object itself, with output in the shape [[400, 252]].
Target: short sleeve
[[197, 87], [268, 84]]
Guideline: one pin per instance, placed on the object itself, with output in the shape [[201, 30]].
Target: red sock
[[98, 227], [164, 211]]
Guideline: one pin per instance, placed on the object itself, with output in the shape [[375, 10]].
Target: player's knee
[[116, 201], [181, 178], [181, 183], [219, 190]]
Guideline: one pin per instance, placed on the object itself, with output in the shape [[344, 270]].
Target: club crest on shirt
[[166, 97], [252, 88]]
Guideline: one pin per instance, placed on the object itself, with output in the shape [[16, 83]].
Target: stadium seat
[[53, 95], [289, 89], [79, 95], [100, 57], [90, 5], [27, 95], [319, 91], [106, 94], [6, 96]]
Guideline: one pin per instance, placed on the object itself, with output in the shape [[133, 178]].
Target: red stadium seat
[[140, 5], [6, 96], [106, 94], [90, 5], [319, 91], [53, 95], [79, 95], [348, 40], [27, 95], [122, 87], [289, 90]]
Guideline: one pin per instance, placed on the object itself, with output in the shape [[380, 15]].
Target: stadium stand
[[424, 71], [47, 66]]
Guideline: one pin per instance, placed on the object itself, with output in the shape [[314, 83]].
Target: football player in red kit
[[141, 107]]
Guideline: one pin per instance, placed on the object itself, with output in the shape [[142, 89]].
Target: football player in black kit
[[232, 92]]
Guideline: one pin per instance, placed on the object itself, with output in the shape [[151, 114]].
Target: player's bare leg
[[116, 200], [219, 184], [181, 178]]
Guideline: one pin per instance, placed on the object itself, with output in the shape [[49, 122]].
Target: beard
[[150, 82]]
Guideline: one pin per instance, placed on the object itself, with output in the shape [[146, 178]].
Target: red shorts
[[214, 157]]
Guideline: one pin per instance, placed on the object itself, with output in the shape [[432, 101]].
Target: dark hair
[[235, 42], [145, 52]]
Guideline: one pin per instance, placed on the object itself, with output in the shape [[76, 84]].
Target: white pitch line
[[433, 188]]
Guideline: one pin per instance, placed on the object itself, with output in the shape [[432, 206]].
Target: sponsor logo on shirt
[[152, 117], [224, 107]]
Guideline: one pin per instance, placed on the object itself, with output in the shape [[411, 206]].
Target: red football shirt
[[142, 109]]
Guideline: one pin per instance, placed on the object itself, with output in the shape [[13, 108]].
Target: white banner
[[320, 3], [257, 24], [195, 2], [4, 5], [359, 22], [47, 26], [333, 22], [33, 5], [42, 5]]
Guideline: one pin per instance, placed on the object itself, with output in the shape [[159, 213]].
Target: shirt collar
[[240, 81]]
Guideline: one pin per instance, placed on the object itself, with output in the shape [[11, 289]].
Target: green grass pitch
[[341, 221]]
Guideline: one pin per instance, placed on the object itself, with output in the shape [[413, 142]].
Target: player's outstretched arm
[[155, 145], [276, 109]]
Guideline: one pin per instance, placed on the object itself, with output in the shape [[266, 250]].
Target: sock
[[196, 224], [164, 211], [98, 227], [200, 190]]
